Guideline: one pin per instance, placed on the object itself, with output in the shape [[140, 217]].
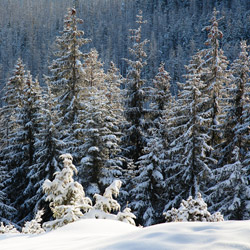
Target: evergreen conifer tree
[[9, 113], [6, 210], [47, 148], [134, 140], [18, 185], [188, 152], [66, 196], [99, 163], [114, 83], [149, 181], [65, 78], [234, 126], [216, 77], [230, 194]]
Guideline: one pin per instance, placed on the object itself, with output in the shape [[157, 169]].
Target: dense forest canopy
[[153, 95], [28, 29]]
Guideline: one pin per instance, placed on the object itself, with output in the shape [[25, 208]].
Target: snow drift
[[108, 234]]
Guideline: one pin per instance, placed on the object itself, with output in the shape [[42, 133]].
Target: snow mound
[[92, 234]]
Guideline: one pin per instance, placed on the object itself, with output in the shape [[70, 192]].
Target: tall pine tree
[[134, 140], [188, 170], [18, 185], [12, 100], [65, 78], [230, 194], [48, 148], [216, 77], [149, 181], [99, 163]]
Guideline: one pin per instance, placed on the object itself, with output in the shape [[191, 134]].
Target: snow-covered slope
[[108, 234]]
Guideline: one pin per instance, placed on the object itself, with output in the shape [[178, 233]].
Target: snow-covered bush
[[126, 216], [66, 196], [192, 210], [7, 229], [105, 204], [34, 226]]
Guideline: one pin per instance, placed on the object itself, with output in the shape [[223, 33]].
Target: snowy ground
[[108, 234]]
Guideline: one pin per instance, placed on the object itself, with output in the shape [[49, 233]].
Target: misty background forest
[[29, 28]]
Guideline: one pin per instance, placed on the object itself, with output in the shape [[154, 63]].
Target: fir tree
[[66, 196], [114, 83], [48, 146], [189, 169], [241, 70], [100, 129], [18, 185], [34, 226], [148, 194], [6, 210], [161, 95], [234, 126], [65, 78], [230, 194], [240, 105], [192, 210], [134, 140], [216, 77], [9, 112]]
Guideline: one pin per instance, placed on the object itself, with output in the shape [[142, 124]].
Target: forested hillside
[[28, 30], [150, 95]]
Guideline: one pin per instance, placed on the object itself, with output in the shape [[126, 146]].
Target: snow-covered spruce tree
[[188, 170], [233, 117], [230, 195], [4, 229], [12, 102], [114, 92], [100, 129], [216, 77], [34, 226], [241, 72], [92, 77], [66, 196], [149, 182], [115, 105], [161, 95], [65, 78], [18, 186], [48, 148], [236, 121], [133, 139], [6, 210], [192, 210], [126, 216], [12, 105], [105, 204]]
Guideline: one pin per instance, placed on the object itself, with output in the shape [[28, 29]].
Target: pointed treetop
[[140, 18], [214, 33], [162, 78]]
